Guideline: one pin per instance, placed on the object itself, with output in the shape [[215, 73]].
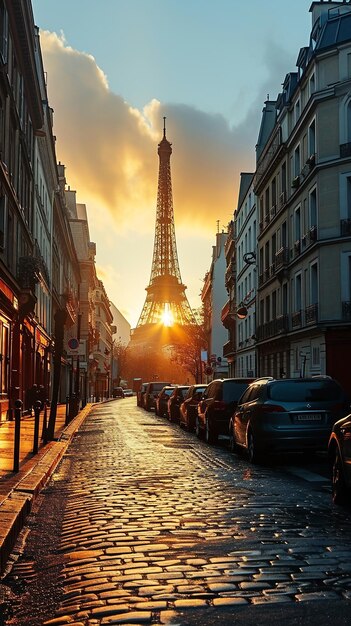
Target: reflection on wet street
[[143, 521]]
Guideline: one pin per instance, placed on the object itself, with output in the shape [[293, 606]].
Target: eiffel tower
[[166, 305]]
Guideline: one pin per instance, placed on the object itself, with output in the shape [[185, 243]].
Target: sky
[[114, 69]]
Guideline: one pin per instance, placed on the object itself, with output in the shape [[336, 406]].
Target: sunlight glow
[[167, 318]]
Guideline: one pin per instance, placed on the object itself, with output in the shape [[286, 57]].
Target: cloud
[[110, 149]]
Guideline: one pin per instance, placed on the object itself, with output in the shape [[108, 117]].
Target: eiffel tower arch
[[166, 309]]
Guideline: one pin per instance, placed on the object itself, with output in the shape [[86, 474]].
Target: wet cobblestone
[[156, 522]]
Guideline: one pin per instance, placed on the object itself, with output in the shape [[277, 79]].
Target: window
[[285, 299], [2, 222], [4, 357], [3, 32], [297, 111], [284, 235], [313, 208], [297, 224], [316, 358], [283, 178], [314, 283], [297, 162], [311, 139], [266, 254], [267, 207], [274, 304], [298, 292], [345, 195], [312, 84], [274, 192]]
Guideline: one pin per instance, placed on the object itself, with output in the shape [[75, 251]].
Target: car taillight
[[219, 405], [272, 408]]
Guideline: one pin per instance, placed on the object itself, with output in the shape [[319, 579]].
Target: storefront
[[8, 313]]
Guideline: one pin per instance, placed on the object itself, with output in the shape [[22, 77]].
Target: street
[[143, 523]]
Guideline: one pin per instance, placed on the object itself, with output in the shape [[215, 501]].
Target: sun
[[167, 315]]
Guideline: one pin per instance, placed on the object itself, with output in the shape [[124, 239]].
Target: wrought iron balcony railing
[[311, 314], [346, 310]]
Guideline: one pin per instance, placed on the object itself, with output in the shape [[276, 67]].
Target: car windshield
[[232, 390], [305, 391], [168, 392], [182, 391], [158, 386]]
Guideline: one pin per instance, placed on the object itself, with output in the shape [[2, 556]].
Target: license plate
[[308, 417]]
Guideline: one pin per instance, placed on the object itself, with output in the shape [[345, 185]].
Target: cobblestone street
[[142, 523]]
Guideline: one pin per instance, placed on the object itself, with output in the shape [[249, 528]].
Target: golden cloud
[[110, 148]]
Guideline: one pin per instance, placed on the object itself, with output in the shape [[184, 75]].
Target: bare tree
[[187, 353]]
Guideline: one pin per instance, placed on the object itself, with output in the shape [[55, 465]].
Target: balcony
[[295, 183], [345, 227], [346, 311], [312, 234], [311, 314], [273, 211], [345, 150], [274, 328], [297, 247], [282, 199], [296, 319], [271, 154], [229, 349], [230, 273], [281, 259], [227, 315], [311, 161]]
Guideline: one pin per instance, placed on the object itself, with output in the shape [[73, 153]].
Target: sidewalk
[[19, 490]]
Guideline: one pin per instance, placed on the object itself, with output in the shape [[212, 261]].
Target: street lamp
[[241, 311]]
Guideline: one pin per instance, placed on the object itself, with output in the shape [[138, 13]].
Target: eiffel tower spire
[[166, 302]]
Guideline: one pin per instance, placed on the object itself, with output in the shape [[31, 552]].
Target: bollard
[[44, 432], [67, 411], [37, 409], [16, 451]]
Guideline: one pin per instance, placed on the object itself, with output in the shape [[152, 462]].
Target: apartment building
[[245, 229], [213, 297], [303, 186]]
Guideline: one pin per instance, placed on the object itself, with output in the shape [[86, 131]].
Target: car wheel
[[198, 429], [339, 489], [254, 456], [210, 435]]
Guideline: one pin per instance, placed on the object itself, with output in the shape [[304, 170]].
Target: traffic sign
[[75, 347], [73, 343]]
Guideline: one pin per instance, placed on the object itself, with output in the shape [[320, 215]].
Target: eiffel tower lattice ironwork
[[166, 302]]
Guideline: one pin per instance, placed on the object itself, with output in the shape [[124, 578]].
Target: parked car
[[117, 392], [140, 394], [287, 415], [161, 402], [128, 393], [151, 393], [188, 408], [339, 453], [174, 402], [217, 406]]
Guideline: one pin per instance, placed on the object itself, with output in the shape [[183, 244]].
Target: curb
[[17, 505]]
